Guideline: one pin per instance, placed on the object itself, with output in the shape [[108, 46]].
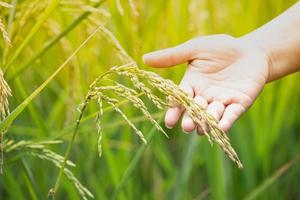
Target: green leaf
[[15, 113]]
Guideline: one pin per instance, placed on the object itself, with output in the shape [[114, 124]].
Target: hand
[[224, 75]]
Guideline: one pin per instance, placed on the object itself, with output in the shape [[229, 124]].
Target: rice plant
[[39, 150], [172, 92], [5, 90]]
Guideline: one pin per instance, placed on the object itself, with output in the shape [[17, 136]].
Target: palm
[[223, 76]]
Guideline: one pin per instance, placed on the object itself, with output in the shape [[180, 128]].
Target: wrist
[[256, 45]]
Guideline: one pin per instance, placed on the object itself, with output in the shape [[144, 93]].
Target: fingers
[[172, 116], [225, 115], [170, 56], [231, 113], [203, 103], [187, 124], [216, 109], [174, 113]]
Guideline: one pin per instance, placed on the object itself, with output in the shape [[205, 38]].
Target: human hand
[[224, 75]]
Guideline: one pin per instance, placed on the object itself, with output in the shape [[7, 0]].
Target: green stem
[[89, 117], [31, 179], [70, 145]]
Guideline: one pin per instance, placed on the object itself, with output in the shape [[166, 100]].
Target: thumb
[[170, 56]]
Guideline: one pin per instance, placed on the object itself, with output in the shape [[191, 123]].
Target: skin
[[226, 74]]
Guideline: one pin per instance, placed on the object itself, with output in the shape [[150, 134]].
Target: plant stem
[[61, 171]]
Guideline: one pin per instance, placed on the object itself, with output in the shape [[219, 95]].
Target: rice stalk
[[11, 145], [54, 29], [87, 8], [172, 92], [132, 96], [120, 7], [4, 33], [6, 5], [119, 50], [24, 15], [72, 3], [112, 102], [49, 44], [39, 150], [99, 128], [5, 92], [51, 6], [101, 11], [9, 119], [83, 191], [97, 92], [29, 10], [159, 103], [124, 57], [133, 8]]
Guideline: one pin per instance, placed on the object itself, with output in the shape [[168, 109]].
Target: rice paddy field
[[50, 54]]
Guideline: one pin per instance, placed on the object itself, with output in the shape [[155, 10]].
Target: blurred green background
[[182, 167]]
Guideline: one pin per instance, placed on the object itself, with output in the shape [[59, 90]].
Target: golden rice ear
[[98, 124], [121, 52], [133, 7], [6, 5], [170, 91], [199, 115], [5, 92], [4, 33], [40, 150], [120, 7]]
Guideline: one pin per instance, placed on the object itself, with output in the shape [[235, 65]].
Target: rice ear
[[195, 111], [4, 33], [39, 150], [5, 92], [6, 5], [170, 90], [98, 124]]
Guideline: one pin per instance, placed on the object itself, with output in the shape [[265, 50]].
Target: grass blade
[[14, 114], [51, 7], [133, 164], [31, 179], [185, 170], [272, 179], [51, 43]]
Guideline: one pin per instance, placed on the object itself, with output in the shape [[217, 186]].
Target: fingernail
[[146, 55], [169, 127], [186, 132]]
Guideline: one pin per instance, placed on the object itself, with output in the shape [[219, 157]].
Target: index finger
[[170, 56]]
